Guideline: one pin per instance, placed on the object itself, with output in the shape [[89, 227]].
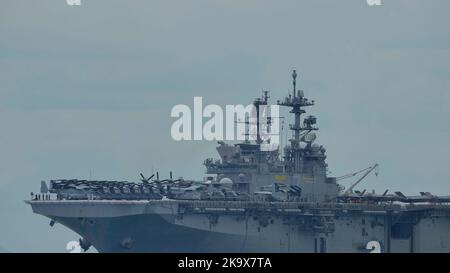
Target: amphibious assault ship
[[252, 200]]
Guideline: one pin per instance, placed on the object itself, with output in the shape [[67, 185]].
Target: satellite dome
[[226, 181], [310, 137]]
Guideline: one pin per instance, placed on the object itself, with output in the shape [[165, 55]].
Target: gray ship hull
[[151, 233], [172, 226]]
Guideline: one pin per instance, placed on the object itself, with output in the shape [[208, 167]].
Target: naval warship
[[251, 200]]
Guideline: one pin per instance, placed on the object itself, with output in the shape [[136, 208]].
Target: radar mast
[[296, 102]]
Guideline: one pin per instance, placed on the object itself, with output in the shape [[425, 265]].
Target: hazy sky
[[88, 90]]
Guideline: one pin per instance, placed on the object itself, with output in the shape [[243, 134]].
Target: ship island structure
[[251, 200]]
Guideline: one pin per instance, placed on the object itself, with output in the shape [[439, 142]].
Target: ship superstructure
[[303, 164], [252, 199]]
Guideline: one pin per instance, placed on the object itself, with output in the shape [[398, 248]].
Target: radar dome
[[226, 181], [310, 137], [315, 146]]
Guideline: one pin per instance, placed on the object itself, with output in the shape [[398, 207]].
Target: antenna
[[265, 96], [247, 129], [294, 77], [257, 103]]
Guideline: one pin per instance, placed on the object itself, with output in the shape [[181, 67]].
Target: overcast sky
[[87, 91]]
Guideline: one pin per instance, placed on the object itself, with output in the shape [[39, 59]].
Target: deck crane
[[366, 172]]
